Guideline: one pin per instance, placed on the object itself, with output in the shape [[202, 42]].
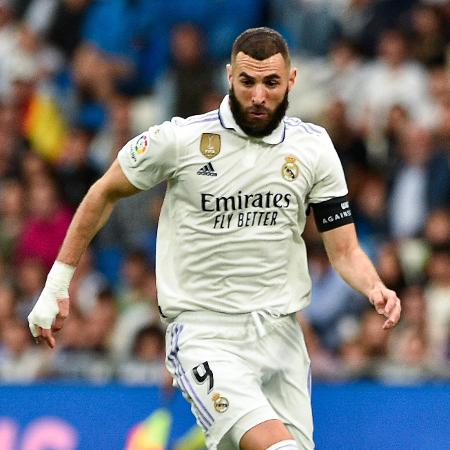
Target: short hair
[[261, 43]]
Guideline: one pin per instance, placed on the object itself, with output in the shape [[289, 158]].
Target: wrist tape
[[59, 278]]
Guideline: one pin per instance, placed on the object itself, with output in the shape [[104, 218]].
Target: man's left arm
[[354, 266]]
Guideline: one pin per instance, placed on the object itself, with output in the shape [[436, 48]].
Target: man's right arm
[[52, 306]]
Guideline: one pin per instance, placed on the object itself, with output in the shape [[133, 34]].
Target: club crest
[[290, 170], [220, 403]]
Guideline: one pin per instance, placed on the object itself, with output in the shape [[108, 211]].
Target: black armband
[[332, 213]]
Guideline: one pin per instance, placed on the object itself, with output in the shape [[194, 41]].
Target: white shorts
[[240, 370]]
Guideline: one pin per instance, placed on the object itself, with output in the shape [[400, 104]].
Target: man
[[231, 263]]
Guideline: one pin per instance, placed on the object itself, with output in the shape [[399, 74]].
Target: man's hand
[[46, 334], [47, 317], [52, 307], [386, 303]]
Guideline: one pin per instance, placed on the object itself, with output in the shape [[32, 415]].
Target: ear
[[292, 78], [229, 75]]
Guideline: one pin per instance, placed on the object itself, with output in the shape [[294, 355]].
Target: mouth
[[258, 114]]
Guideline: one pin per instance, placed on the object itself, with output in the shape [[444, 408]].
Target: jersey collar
[[227, 121]]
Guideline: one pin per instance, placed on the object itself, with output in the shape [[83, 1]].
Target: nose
[[258, 95]]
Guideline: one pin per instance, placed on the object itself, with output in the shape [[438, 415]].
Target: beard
[[257, 127]]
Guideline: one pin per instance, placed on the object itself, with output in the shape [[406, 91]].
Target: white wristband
[[59, 278]]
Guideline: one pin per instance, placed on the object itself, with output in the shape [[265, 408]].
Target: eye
[[247, 82], [272, 83]]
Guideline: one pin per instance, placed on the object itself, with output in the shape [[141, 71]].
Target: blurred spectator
[[12, 216], [62, 23], [398, 119], [349, 145], [393, 79], [87, 284], [116, 132], [437, 228], [45, 227], [138, 283], [355, 361], [146, 362], [372, 337], [8, 300], [74, 170], [34, 170], [129, 229], [309, 26], [364, 21], [20, 360], [339, 76], [389, 267], [100, 322], [437, 294], [30, 277], [30, 59], [368, 192], [189, 76], [420, 184], [83, 352], [430, 34], [7, 44], [12, 142], [97, 75], [324, 365], [332, 300], [137, 300], [39, 13], [408, 343]]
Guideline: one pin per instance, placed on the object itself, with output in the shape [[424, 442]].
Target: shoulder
[[187, 129], [196, 121], [297, 125], [314, 136]]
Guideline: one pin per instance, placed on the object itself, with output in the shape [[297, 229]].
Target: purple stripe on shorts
[[178, 375], [200, 417], [205, 418], [183, 374]]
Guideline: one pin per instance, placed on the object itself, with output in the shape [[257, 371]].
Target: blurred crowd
[[79, 78]]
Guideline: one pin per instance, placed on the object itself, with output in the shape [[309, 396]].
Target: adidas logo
[[207, 170]]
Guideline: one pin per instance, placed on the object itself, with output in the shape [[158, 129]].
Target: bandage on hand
[[52, 306]]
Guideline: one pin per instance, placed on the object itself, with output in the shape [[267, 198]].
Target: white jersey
[[229, 234]]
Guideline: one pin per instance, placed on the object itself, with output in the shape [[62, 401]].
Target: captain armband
[[332, 213]]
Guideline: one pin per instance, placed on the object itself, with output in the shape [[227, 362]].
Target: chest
[[245, 172]]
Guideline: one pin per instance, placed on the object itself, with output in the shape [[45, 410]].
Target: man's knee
[[284, 445], [265, 435]]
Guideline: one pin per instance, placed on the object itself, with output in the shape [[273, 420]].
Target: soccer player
[[231, 262]]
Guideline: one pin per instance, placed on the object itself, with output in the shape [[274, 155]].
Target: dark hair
[[260, 43]]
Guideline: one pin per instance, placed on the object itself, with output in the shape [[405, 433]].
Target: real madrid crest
[[220, 403], [290, 169], [210, 144]]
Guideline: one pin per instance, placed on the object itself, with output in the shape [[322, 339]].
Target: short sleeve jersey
[[229, 235]]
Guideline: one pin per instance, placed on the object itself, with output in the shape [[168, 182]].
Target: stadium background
[[79, 78]]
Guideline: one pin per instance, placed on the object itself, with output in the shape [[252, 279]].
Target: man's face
[[259, 92]]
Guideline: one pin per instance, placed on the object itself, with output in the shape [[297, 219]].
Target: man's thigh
[[221, 386], [288, 391]]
